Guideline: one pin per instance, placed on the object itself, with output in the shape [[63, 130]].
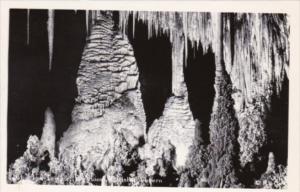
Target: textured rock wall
[[109, 101], [107, 70]]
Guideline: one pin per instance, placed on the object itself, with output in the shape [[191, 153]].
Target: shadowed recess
[[69, 41], [277, 124], [199, 76], [154, 61], [28, 78], [31, 86]]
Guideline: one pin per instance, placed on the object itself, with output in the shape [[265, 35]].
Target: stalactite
[[217, 44], [90, 20], [87, 21], [226, 42], [197, 27], [184, 20], [177, 59], [133, 24], [28, 27], [50, 27], [93, 16], [262, 41]]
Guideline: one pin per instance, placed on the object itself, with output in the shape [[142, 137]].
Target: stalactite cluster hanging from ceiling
[[260, 42], [196, 27]]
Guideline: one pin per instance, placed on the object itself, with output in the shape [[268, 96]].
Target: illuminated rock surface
[[109, 101]]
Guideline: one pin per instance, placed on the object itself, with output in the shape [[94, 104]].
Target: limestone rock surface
[[109, 101], [171, 135]]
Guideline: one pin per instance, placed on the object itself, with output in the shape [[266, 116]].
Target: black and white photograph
[[149, 99]]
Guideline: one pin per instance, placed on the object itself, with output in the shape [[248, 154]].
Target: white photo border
[[292, 8]]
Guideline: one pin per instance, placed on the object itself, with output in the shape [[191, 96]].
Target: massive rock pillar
[[108, 109]]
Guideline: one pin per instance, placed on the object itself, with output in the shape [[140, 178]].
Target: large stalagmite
[[109, 101]]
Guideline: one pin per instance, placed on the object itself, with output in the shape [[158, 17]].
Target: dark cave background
[[277, 123], [199, 76], [32, 87], [152, 54]]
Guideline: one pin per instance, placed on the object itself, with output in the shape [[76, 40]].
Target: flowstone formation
[[107, 142]]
